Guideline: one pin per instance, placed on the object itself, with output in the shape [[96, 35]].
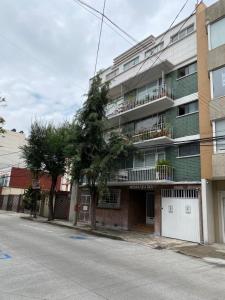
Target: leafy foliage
[[93, 157], [45, 153]]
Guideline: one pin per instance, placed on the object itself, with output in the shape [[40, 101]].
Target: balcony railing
[[158, 131], [158, 173], [122, 106]]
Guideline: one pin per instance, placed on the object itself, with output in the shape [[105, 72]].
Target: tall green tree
[[45, 154], [94, 158]]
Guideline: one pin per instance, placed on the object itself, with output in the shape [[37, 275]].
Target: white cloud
[[48, 51]]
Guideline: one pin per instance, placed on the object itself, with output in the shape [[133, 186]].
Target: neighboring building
[[211, 78], [14, 182], [155, 102], [10, 152]]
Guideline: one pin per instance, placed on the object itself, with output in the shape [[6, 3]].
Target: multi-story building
[[10, 152], [154, 100], [211, 80]]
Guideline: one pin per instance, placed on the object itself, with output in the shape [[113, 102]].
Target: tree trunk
[[93, 209], [51, 197]]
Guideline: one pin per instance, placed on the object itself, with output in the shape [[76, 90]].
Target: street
[[42, 261]]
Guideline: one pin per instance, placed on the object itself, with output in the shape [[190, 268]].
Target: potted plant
[[162, 170]]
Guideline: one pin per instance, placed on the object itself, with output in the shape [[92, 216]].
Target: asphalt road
[[42, 261]]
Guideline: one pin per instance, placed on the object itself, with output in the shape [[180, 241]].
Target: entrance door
[[150, 208]]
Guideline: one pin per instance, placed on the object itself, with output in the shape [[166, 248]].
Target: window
[[4, 180], [147, 159], [217, 33], [187, 70], [218, 78], [181, 34], [148, 91], [131, 63], [152, 123], [220, 132], [112, 74], [188, 108], [189, 149], [110, 199], [154, 50]]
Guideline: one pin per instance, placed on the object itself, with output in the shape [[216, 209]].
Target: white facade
[[10, 152]]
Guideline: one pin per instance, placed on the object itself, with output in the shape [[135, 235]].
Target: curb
[[87, 231]]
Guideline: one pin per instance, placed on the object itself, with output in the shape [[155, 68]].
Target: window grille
[[110, 199], [189, 193]]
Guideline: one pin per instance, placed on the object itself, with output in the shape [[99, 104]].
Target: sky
[[48, 50]]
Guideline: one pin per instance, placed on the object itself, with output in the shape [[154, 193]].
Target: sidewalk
[[214, 254]]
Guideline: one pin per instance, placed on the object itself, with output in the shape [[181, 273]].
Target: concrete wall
[[217, 108], [115, 218], [204, 93], [215, 11], [12, 191], [216, 58], [218, 161], [207, 212], [10, 143]]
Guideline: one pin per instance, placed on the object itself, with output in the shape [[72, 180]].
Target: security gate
[[150, 208], [84, 208], [181, 215]]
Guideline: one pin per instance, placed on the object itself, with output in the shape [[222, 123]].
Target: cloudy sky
[[48, 50]]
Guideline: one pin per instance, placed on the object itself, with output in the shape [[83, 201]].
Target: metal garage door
[[180, 215]]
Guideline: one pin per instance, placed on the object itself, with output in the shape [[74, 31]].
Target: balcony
[[124, 111], [159, 135], [154, 175]]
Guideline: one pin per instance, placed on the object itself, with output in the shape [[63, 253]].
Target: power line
[[107, 24], [158, 57], [107, 18], [99, 38]]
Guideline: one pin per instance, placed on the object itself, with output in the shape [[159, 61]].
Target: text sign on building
[[141, 187]]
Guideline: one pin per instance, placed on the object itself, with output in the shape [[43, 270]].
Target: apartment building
[[154, 101], [211, 73]]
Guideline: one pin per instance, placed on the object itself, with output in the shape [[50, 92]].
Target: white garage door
[[180, 215]]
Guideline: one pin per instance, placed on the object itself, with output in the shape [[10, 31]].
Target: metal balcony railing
[[158, 173], [122, 106], [148, 134]]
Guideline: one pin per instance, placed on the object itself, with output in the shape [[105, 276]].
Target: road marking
[[5, 256], [78, 237]]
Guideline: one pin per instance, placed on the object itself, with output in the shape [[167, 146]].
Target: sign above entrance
[[141, 187]]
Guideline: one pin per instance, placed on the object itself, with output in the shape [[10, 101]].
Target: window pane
[[193, 107], [182, 33], [182, 110], [192, 68], [150, 159], [139, 160], [220, 131], [181, 72], [189, 149], [218, 82], [161, 155], [217, 33], [190, 28]]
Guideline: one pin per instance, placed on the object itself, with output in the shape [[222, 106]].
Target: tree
[[2, 121], [44, 154], [94, 158]]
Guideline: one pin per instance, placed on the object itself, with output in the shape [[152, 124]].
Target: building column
[[207, 212], [73, 203], [157, 224]]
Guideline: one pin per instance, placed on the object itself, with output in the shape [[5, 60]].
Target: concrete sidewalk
[[211, 253]]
